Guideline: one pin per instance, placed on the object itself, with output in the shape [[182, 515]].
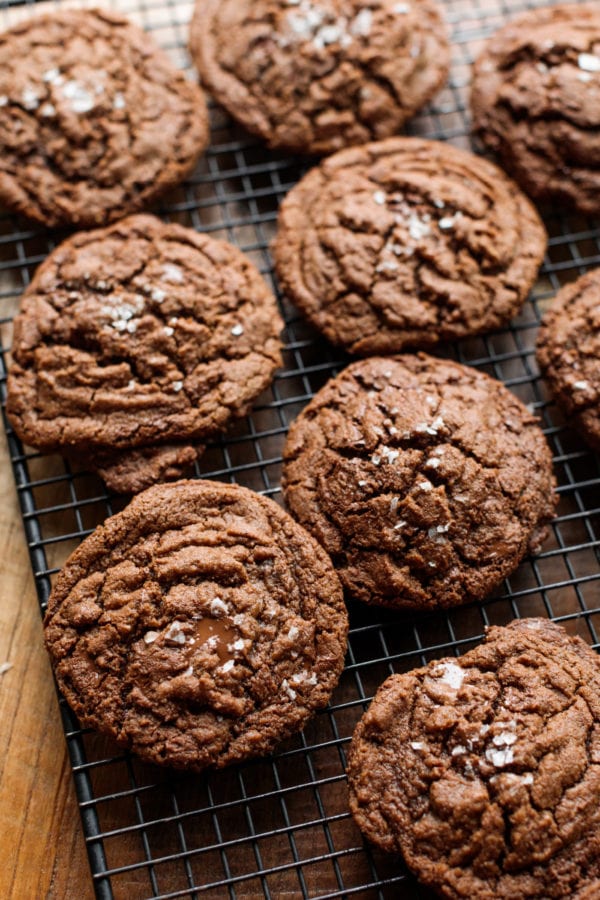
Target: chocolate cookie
[[484, 771], [316, 75], [426, 481], [535, 102], [199, 627], [568, 353], [95, 121], [406, 242], [140, 335]]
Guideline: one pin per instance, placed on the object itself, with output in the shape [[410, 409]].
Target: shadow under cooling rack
[[280, 827]]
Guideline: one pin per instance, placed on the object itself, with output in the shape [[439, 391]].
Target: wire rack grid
[[280, 827]]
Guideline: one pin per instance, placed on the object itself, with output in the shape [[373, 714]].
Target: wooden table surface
[[41, 841]]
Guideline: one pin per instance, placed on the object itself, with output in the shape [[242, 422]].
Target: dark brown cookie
[[484, 771], [406, 242], [139, 335], [316, 75], [535, 102], [95, 121], [568, 353], [199, 627], [426, 481]]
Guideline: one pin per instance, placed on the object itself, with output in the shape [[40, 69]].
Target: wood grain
[[41, 842]]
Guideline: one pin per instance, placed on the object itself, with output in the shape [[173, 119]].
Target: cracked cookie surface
[[484, 771], [406, 242], [316, 75], [426, 481], [95, 121], [535, 102], [568, 353], [139, 335], [199, 627]]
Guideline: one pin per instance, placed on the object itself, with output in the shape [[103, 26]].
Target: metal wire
[[281, 827]]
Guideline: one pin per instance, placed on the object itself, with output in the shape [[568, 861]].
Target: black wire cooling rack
[[280, 827]]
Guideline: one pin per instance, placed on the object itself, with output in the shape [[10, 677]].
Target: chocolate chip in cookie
[[483, 771], [535, 102], [406, 243], [314, 76], [425, 480], [95, 121], [200, 626]]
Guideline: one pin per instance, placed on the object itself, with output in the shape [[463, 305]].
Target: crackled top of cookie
[[317, 75], [426, 481], [199, 626], [140, 333], [535, 101], [484, 770], [568, 352], [95, 121], [406, 242]]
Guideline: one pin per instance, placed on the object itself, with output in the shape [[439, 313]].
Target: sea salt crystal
[[588, 62], [304, 677], [458, 751], [425, 485], [158, 295], [499, 758], [189, 671], [387, 266], [218, 606], [432, 462], [81, 100], [30, 98], [527, 778], [174, 634], [288, 689], [228, 666], [449, 221], [150, 637], [238, 619], [237, 645], [400, 524], [3, 100], [361, 25], [417, 745], [394, 504], [47, 110], [390, 455], [451, 674], [379, 197], [584, 76], [172, 273], [581, 385], [504, 739], [418, 228], [119, 101], [168, 330], [51, 76], [177, 386], [293, 633], [237, 330], [328, 34]]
